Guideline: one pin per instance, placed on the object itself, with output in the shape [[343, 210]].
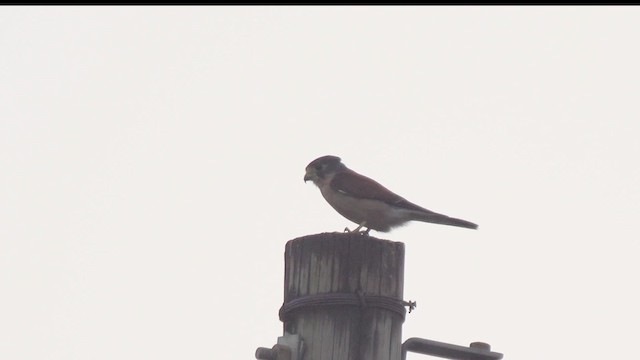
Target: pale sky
[[153, 157]]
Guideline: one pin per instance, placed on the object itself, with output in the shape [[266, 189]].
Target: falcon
[[367, 203]]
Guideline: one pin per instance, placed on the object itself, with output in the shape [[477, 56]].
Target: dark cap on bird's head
[[319, 167]]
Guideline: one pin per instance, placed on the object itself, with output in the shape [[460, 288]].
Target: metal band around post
[[394, 305]]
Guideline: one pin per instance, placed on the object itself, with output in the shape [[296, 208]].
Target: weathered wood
[[336, 263]]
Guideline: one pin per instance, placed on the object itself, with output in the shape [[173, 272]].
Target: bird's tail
[[436, 218]]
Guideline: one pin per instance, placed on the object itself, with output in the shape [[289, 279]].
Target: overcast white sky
[[152, 160]]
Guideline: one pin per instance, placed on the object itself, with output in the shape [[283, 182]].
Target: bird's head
[[322, 168]]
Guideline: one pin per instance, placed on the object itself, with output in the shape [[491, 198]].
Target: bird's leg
[[363, 232], [357, 230]]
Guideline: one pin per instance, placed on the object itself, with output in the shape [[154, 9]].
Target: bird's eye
[[319, 167]]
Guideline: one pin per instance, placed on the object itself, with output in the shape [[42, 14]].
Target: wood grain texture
[[345, 263]]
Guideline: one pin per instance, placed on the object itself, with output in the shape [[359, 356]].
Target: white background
[[152, 160]]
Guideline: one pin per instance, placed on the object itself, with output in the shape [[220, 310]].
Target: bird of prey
[[366, 202]]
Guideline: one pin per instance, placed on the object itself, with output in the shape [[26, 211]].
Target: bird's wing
[[350, 183], [359, 186]]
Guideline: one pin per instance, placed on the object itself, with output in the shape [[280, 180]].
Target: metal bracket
[[289, 347], [294, 342], [476, 351]]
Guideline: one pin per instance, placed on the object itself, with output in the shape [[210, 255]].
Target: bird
[[366, 202]]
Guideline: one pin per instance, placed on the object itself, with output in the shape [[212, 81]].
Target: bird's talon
[[357, 230]]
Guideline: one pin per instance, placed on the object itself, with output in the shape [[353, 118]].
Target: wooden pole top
[[343, 263], [343, 296]]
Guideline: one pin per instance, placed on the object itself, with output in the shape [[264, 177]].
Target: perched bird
[[366, 202]]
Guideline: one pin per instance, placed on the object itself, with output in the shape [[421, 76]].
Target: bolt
[[265, 354], [480, 346]]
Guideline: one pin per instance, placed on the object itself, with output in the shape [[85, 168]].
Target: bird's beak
[[309, 176]]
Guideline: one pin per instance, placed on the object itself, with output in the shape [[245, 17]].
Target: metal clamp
[[476, 351]]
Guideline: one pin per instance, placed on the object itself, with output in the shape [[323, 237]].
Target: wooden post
[[343, 296]]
